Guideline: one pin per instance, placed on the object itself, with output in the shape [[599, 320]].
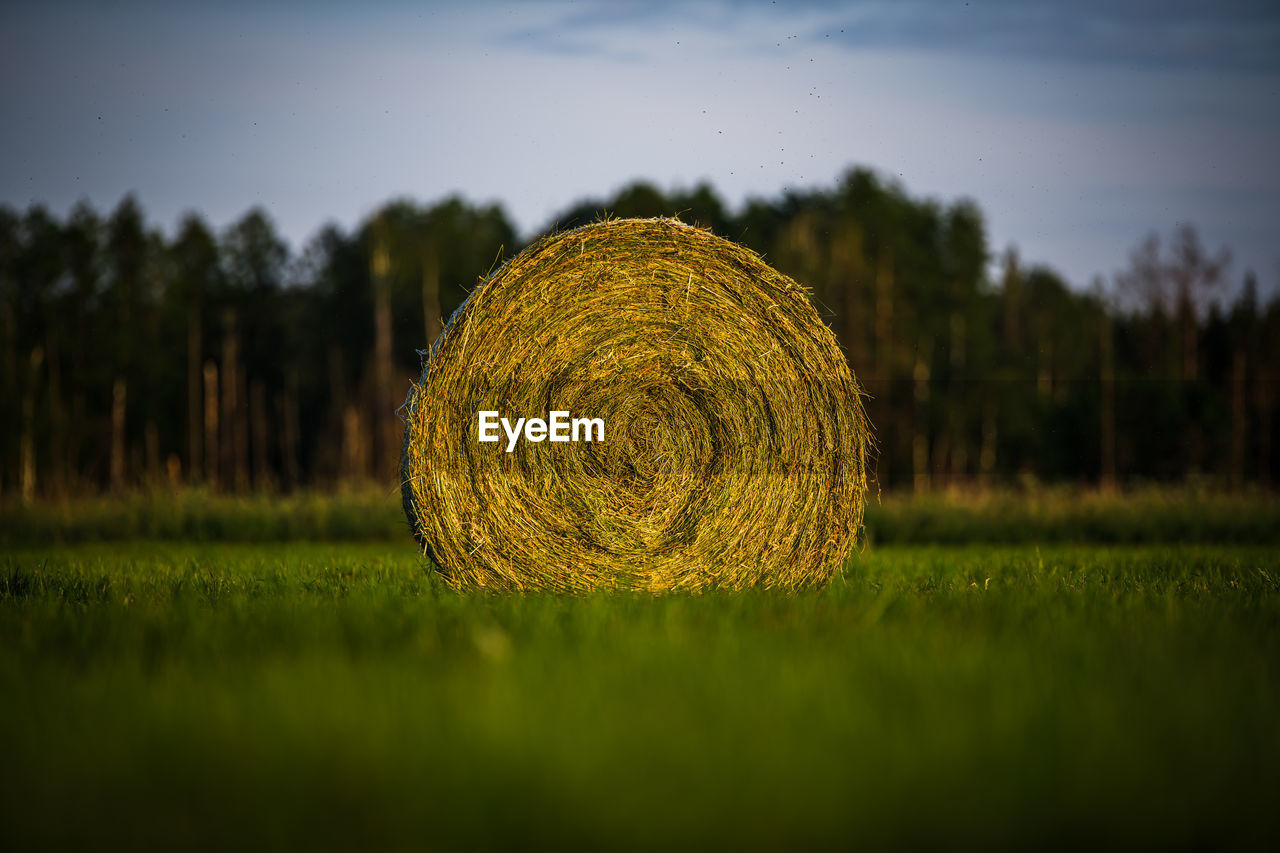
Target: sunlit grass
[[338, 695]]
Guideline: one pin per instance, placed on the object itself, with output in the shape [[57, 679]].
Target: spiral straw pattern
[[735, 440]]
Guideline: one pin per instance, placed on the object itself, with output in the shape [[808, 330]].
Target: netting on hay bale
[[735, 441]]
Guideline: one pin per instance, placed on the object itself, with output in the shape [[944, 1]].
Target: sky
[[1078, 128]]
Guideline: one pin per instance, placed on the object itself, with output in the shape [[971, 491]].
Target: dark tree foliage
[[128, 359]]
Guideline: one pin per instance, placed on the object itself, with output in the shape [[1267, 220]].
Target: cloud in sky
[[1224, 35], [1231, 34], [1076, 127]]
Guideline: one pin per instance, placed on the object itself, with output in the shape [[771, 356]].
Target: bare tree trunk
[[57, 419], [355, 457], [26, 449], [119, 392], [75, 441], [1238, 415], [234, 434], [262, 478], [288, 416], [211, 424], [1107, 393], [338, 401], [195, 354], [242, 433], [152, 435], [1262, 401], [227, 419], [27, 444], [987, 456], [920, 438], [956, 415]]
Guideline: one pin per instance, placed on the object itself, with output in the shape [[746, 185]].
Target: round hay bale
[[734, 444]]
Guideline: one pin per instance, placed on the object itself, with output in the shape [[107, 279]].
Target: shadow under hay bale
[[735, 441]]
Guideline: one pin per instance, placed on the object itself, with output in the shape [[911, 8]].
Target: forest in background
[[132, 359]]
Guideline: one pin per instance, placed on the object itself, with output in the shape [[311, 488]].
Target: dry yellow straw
[[734, 445]]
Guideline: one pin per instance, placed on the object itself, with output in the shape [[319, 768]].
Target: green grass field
[[335, 695]]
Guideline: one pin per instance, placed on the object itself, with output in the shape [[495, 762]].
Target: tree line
[[222, 360]]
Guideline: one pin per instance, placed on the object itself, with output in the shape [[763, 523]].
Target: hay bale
[[735, 440]]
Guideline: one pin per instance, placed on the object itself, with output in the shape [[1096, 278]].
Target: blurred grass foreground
[[186, 671]]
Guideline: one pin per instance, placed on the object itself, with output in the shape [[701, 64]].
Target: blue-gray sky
[[1077, 127]]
